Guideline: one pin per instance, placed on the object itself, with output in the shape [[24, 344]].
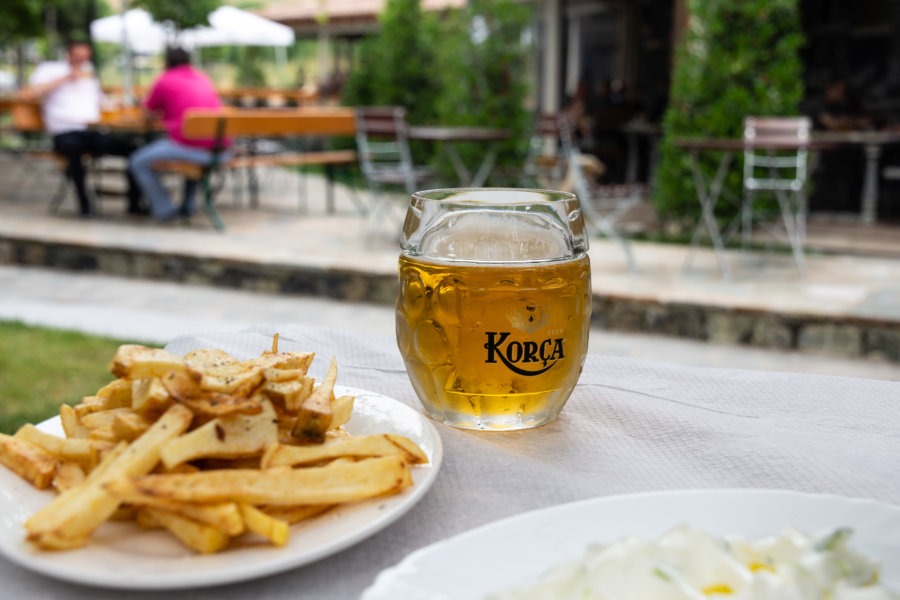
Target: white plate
[[517, 551], [122, 556]]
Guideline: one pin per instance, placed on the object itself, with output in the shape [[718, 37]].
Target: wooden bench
[[219, 125]]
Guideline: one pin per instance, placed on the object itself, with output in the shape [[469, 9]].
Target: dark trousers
[[74, 145]]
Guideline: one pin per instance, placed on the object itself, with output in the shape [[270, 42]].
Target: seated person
[[180, 88], [70, 98], [840, 112]]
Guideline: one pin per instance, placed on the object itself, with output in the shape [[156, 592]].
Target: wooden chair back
[[777, 129], [200, 124], [389, 121]]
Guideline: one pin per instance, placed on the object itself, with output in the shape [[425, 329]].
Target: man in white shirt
[[70, 97]]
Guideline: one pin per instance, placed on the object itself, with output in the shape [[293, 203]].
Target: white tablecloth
[[630, 426]]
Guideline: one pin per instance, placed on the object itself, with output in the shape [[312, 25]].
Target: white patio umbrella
[[230, 26], [136, 28]]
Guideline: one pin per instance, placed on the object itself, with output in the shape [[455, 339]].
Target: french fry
[[283, 360], [282, 375], [295, 514], [146, 521], [104, 433], [289, 394], [201, 537], [238, 379], [314, 417], [124, 513], [273, 528], [331, 484], [90, 404], [149, 397], [223, 515], [117, 393], [135, 362], [71, 424], [51, 540], [357, 447], [341, 411], [68, 475], [231, 436], [103, 418], [208, 358], [85, 452], [129, 426], [70, 519], [207, 404], [28, 461]]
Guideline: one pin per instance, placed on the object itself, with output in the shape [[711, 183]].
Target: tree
[[21, 19], [482, 65], [737, 59], [182, 14], [396, 67], [459, 67]]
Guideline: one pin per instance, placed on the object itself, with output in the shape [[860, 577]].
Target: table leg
[[632, 160], [458, 165], [329, 189], [487, 165], [708, 198], [869, 202]]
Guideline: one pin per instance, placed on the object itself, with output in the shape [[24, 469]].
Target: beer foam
[[496, 237]]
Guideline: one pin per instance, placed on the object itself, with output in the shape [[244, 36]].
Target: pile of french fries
[[205, 446]]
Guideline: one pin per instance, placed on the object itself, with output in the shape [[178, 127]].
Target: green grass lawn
[[42, 368]]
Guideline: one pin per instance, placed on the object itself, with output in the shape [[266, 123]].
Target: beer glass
[[494, 306]]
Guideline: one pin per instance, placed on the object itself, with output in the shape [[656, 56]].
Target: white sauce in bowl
[[685, 564]]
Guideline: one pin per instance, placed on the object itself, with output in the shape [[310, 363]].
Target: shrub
[[396, 67], [462, 67], [736, 59]]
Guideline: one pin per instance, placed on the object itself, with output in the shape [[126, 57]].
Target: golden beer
[[494, 345]]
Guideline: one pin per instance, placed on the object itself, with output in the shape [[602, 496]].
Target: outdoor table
[[630, 426], [709, 193], [448, 136], [872, 143]]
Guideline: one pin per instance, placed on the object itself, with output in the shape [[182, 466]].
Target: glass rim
[[542, 195]]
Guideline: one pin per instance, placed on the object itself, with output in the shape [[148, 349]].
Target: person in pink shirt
[[178, 89]]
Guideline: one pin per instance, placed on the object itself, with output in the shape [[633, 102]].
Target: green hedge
[[736, 59]]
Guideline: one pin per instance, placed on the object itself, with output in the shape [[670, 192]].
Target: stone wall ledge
[[837, 335]]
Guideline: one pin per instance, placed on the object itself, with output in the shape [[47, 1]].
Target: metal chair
[[545, 162], [382, 139], [602, 206], [782, 171]]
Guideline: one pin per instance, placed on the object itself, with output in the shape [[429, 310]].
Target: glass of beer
[[494, 306]]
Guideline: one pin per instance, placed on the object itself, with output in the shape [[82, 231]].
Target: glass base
[[492, 423]]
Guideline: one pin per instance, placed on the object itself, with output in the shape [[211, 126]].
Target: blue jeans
[[141, 165]]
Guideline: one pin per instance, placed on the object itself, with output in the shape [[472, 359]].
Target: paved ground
[[157, 311], [850, 286]]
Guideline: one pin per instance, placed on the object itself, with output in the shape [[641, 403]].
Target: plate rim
[[385, 576], [214, 578]]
